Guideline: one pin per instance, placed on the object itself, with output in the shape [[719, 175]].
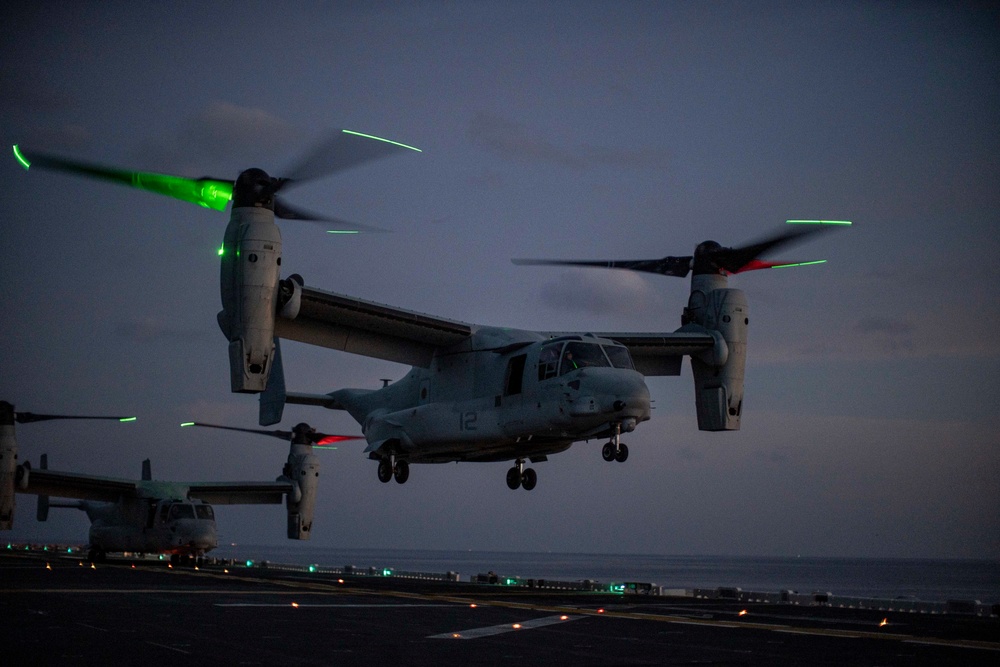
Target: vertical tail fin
[[147, 471]]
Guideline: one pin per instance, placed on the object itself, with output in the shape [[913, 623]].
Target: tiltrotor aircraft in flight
[[152, 516], [475, 393]]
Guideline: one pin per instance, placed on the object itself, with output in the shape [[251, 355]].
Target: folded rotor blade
[[317, 439], [211, 193]]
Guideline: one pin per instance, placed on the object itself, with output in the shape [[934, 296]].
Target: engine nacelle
[[718, 377], [302, 470], [251, 263], [8, 465]]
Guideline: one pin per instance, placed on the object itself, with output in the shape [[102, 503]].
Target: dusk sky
[[576, 130]]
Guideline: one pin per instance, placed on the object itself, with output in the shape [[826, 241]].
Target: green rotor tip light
[[20, 157], [786, 266], [388, 141], [342, 231], [818, 222], [128, 419], [187, 424]]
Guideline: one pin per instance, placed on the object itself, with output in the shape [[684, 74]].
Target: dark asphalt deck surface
[[112, 614]]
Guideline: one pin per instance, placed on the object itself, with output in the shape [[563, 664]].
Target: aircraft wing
[[371, 329], [662, 353], [240, 493], [75, 485]]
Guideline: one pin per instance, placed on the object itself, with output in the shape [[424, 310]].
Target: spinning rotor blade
[[285, 212], [211, 193], [668, 266], [709, 256], [342, 151], [316, 439], [30, 417]]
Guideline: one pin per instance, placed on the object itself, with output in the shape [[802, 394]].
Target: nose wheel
[[519, 476], [615, 450]]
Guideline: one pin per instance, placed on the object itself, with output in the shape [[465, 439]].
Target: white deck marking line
[[172, 648], [476, 633], [302, 605]]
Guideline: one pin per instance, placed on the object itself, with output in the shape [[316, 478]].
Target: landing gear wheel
[[402, 472], [529, 479], [608, 451], [513, 478], [384, 471], [622, 453]]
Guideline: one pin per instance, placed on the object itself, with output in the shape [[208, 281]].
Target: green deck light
[[249, 563], [388, 141], [20, 157]]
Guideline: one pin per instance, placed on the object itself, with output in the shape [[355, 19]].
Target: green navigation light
[[222, 249], [128, 419], [20, 157], [187, 424], [785, 266], [388, 141], [818, 222], [339, 231]]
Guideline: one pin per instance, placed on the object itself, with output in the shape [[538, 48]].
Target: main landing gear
[[390, 467], [521, 476], [615, 450]]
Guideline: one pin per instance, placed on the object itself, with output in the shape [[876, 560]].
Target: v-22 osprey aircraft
[[474, 393], [153, 516]]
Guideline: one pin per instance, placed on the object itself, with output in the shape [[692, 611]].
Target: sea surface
[[922, 579]]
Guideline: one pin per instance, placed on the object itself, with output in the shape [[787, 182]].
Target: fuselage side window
[[619, 356], [582, 355], [515, 375], [548, 361]]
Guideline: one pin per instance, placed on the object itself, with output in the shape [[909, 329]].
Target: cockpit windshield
[[181, 511], [204, 511], [619, 356], [559, 358], [581, 355]]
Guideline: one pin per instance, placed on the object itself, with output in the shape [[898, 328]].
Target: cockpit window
[[204, 511], [619, 356], [181, 511], [581, 355], [548, 361]]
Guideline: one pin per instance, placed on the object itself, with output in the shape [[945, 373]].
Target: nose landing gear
[[521, 476], [615, 450]]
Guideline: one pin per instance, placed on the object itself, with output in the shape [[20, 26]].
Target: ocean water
[[922, 579]]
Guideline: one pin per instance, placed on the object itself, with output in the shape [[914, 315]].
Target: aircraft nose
[[203, 535], [616, 391]]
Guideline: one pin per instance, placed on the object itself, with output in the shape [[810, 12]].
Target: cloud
[[599, 292], [514, 141], [221, 132]]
